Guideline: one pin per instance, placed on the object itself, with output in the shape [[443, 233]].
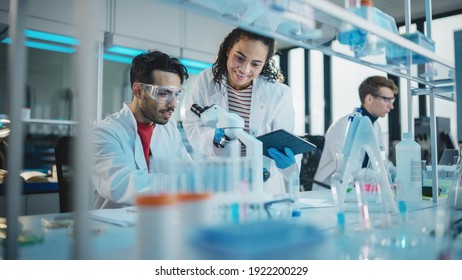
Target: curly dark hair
[[269, 71], [144, 64]]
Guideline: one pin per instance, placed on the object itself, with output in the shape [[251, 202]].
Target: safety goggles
[[386, 99], [163, 94]]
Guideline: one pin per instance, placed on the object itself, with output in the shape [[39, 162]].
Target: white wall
[[297, 85], [346, 78], [317, 101], [443, 35]]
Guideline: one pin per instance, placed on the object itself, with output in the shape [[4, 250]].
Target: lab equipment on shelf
[[379, 35], [445, 175], [398, 55], [361, 42]]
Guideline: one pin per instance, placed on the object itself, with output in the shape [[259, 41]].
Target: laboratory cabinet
[[139, 24], [55, 16], [165, 27], [148, 20], [203, 42]]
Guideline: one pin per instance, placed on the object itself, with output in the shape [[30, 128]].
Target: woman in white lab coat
[[134, 146], [244, 66]]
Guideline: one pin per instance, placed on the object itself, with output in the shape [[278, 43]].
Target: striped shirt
[[239, 103]]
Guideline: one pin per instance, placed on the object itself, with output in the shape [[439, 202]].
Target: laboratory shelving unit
[[50, 122], [314, 25]]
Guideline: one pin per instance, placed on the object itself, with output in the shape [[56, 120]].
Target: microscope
[[215, 116]]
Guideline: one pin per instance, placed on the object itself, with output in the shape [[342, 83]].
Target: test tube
[[364, 219], [294, 187], [339, 205], [401, 195]]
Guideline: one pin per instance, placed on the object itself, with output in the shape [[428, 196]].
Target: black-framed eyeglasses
[[385, 99], [163, 94]]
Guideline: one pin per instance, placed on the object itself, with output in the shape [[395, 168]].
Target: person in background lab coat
[[131, 145], [244, 80], [377, 95]]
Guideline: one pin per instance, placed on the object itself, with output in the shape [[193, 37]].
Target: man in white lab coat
[[377, 95], [132, 145]]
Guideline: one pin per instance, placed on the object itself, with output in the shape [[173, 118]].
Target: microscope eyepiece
[[197, 109]]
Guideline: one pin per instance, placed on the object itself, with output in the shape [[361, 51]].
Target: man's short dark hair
[[372, 85], [144, 64]]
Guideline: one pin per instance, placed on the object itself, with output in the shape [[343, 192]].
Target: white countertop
[[410, 240]]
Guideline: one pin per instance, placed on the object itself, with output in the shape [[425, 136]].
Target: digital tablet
[[282, 138]]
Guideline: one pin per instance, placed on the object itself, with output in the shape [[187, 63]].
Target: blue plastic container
[[398, 55], [358, 39]]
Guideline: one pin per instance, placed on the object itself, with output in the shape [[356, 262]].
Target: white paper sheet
[[124, 217]]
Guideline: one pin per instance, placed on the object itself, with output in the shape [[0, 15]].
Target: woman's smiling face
[[245, 62]]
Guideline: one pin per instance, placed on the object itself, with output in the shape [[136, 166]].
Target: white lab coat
[[119, 168], [271, 109], [334, 139]]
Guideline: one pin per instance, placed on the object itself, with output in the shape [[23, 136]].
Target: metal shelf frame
[[324, 21], [328, 19]]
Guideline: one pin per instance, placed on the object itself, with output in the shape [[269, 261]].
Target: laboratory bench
[[414, 239]]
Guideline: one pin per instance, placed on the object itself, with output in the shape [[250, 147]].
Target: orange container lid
[[192, 196], [367, 3], [155, 199]]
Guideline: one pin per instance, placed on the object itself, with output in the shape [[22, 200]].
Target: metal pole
[[99, 94], [434, 156], [410, 120], [428, 18], [429, 68], [86, 87], [17, 85], [458, 77]]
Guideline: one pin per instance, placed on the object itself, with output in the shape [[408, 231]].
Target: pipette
[[364, 139], [353, 121]]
